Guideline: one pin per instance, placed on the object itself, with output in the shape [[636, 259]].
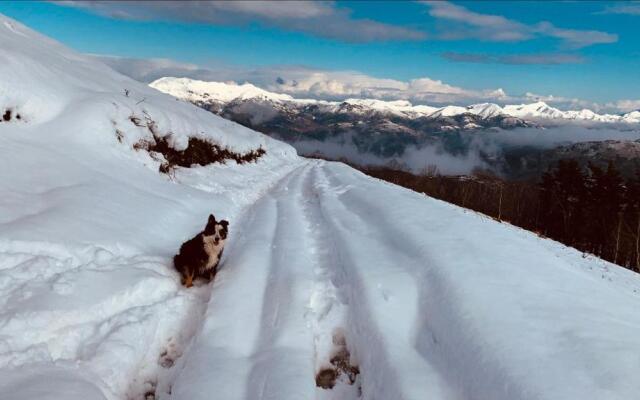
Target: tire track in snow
[[378, 379], [282, 368], [441, 343], [249, 216], [251, 340], [303, 267], [366, 237], [302, 312], [328, 312], [275, 308]]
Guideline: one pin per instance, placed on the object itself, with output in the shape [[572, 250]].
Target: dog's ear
[[212, 219], [224, 223]]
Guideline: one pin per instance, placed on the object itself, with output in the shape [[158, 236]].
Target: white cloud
[[466, 24], [343, 84], [487, 27], [515, 59], [320, 18], [628, 8], [625, 105], [575, 38], [328, 19], [565, 103], [304, 82], [148, 69]]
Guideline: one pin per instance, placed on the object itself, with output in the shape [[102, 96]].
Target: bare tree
[[615, 254], [638, 243]]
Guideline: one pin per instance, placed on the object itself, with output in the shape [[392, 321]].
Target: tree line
[[593, 209]]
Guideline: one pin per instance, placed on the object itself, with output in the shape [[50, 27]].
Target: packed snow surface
[[201, 91], [431, 301]]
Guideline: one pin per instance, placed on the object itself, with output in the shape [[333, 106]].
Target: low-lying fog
[[473, 148]]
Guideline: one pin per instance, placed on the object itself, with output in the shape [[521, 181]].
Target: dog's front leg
[[212, 273], [187, 280]]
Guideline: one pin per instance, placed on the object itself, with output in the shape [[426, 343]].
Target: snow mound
[[46, 83]]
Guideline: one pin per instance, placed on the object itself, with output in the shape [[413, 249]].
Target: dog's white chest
[[213, 250]]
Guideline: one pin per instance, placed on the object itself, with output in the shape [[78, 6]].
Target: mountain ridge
[[210, 91]]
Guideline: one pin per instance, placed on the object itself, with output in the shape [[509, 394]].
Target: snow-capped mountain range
[[223, 93], [396, 133]]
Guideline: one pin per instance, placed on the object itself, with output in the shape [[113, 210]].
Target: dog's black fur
[[199, 257]]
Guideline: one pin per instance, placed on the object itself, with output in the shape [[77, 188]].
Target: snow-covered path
[[429, 299], [428, 302], [274, 283]]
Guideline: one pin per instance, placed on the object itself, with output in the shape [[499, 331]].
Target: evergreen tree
[[562, 201]]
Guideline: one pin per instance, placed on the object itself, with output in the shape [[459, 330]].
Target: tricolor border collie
[[199, 257]]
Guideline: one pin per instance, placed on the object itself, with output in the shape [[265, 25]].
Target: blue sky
[[578, 52]]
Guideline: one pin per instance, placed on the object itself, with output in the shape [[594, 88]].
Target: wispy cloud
[[322, 18], [575, 38], [625, 105], [472, 24], [628, 8], [466, 24], [517, 59]]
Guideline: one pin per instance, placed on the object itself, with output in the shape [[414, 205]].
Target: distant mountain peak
[[197, 91]]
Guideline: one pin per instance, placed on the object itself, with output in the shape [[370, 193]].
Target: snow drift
[[425, 299]]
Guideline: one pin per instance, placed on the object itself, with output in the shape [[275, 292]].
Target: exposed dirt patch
[[326, 378], [198, 152], [341, 367]]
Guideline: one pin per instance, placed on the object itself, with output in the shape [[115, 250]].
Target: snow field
[[425, 296], [90, 310]]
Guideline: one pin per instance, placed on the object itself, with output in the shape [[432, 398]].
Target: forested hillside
[[592, 209]]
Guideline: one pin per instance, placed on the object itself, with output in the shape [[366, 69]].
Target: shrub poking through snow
[[8, 115], [136, 121], [198, 152], [201, 152]]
